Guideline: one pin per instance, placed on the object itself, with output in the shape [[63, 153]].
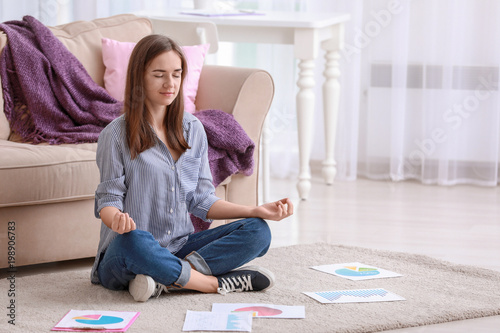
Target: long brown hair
[[140, 135]]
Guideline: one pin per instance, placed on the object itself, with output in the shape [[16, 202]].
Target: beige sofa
[[48, 191]]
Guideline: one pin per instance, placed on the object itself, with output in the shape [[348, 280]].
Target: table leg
[[305, 118], [331, 93], [331, 99]]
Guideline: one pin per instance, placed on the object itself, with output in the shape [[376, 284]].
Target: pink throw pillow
[[116, 55]]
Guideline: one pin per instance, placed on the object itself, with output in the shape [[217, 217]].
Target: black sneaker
[[250, 278]]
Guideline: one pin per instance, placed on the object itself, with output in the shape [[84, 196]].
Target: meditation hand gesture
[[275, 211], [122, 223]]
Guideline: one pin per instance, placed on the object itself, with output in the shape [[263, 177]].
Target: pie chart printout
[[356, 271], [97, 320], [261, 311]]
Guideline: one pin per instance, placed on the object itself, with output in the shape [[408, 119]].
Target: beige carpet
[[436, 292]]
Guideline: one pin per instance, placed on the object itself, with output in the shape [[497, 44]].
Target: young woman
[[154, 171]]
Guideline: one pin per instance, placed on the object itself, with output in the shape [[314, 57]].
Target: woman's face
[[162, 80]]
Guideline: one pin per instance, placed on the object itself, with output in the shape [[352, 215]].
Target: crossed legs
[[206, 255]]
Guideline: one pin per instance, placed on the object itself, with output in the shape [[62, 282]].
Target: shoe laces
[[235, 284], [159, 288]]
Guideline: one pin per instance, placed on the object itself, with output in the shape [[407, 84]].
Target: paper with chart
[[92, 320], [356, 271], [218, 321], [355, 296], [262, 310]]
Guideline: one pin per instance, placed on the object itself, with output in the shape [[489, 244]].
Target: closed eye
[[176, 71]]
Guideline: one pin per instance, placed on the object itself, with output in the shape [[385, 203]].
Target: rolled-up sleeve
[[204, 194], [111, 190]]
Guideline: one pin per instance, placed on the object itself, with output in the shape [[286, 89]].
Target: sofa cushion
[[83, 38], [36, 174], [116, 57]]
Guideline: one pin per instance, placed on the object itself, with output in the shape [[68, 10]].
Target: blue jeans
[[211, 252]]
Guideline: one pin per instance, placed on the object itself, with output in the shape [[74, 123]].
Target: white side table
[[307, 32]]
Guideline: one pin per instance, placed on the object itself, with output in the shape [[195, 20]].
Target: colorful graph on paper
[[355, 296], [90, 320], [262, 310], [356, 271], [217, 321]]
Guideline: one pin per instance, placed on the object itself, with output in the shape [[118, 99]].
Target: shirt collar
[[187, 120]]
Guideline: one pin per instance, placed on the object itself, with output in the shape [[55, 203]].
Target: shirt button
[[173, 188], [169, 232], [171, 210], [173, 168]]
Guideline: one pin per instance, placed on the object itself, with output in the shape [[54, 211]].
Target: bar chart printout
[[355, 296]]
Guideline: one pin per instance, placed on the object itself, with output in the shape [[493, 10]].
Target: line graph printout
[[356, 271], [355, 296]]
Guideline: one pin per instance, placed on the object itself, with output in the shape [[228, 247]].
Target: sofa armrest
[[246, 93]]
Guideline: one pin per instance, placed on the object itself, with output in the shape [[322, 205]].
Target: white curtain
[[429, 79], [419, 82], [419, 93]]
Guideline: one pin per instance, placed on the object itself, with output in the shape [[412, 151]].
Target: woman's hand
[[122, 223], [117, 221], [275, 211]]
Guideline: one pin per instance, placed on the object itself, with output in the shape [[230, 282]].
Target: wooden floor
[[460, 224]]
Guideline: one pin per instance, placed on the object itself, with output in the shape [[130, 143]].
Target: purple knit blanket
[[230, 150], [48, 94]]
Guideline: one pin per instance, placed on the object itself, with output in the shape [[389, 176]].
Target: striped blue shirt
[[156, 191]]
